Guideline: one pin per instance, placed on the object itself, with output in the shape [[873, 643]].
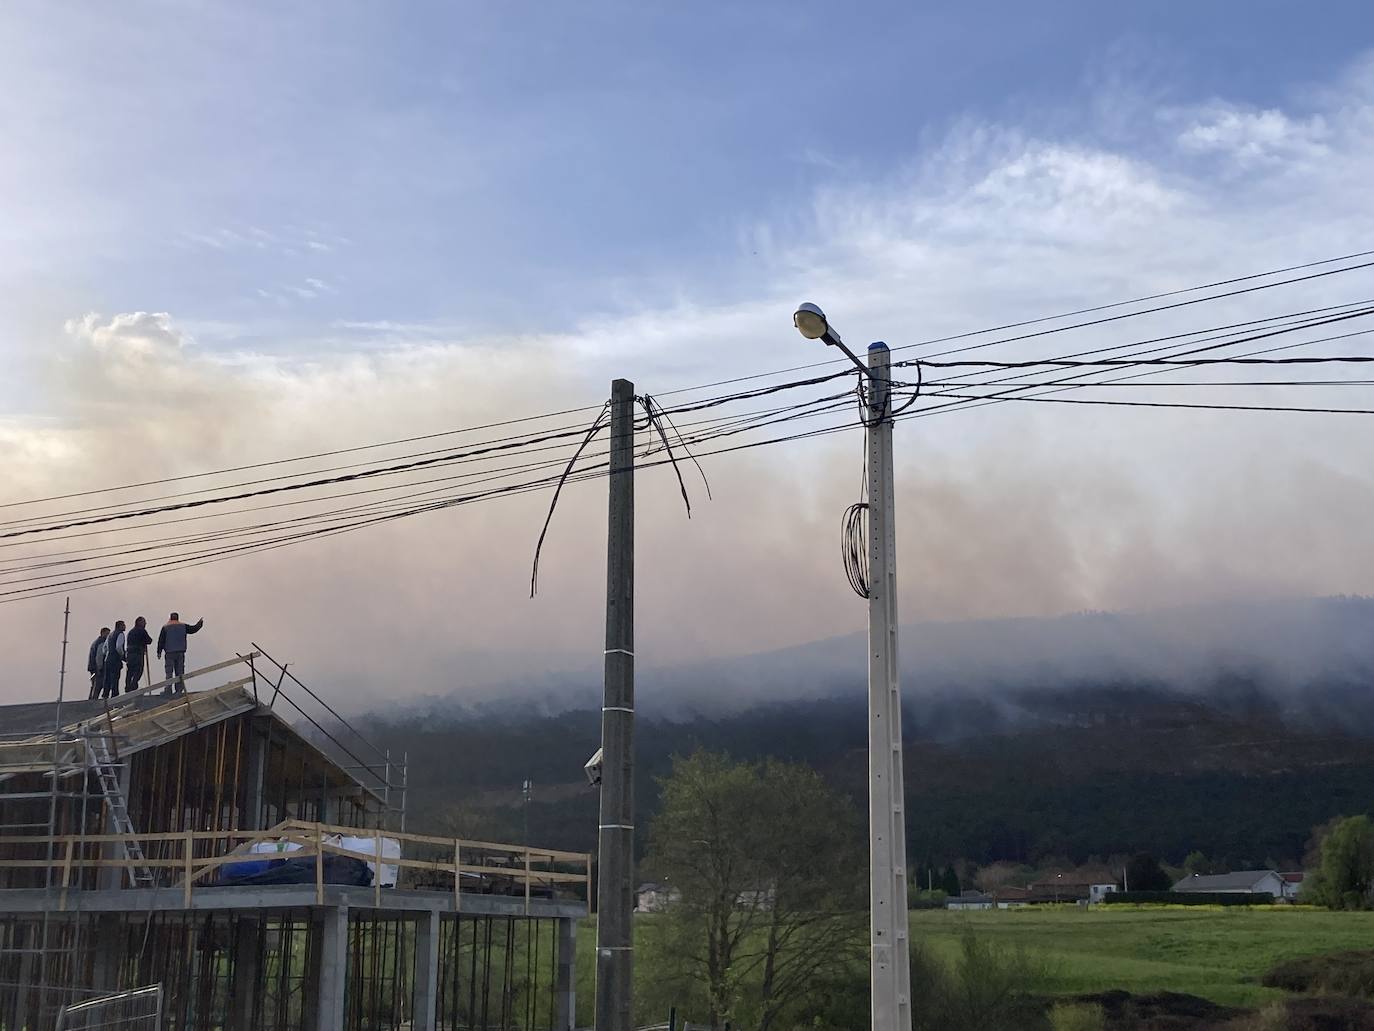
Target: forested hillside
[[1093, 770]]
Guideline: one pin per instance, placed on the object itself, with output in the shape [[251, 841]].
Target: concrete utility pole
[[890, 964], [615, 857]]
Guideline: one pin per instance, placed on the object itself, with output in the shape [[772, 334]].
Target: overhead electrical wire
[[949, 338], [313, 525]]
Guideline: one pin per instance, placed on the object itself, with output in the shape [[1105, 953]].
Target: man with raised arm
[[171, 647]]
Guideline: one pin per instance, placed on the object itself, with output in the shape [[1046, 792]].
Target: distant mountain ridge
[[1282, 648], [1233, 730]]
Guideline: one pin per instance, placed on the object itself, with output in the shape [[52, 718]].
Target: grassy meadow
[[1219, 953]]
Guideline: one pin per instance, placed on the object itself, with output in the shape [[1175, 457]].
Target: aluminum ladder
[[103, 765]]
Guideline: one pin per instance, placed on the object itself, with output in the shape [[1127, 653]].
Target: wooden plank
[[377, 870], [539, 854], [145, 691], [189, 849]]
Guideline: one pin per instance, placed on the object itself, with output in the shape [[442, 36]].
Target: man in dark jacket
[[114, 660], [93, 665], [136, 653], [171, 640]]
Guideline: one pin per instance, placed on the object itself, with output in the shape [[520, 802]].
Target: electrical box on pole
[[890, 969], [615, 855]]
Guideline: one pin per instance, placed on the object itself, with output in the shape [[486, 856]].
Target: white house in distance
[[971, 899], [654, 898], [1242, 882]]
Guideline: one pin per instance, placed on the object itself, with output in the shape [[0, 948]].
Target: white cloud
[[1010, 510], [1251, 136], [138, 336]]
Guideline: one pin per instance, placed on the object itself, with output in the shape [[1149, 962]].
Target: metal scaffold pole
[[615, 873]]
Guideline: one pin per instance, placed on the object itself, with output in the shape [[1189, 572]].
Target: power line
[[300, 458], [1172, 404], [930, 342], [1063, 363]]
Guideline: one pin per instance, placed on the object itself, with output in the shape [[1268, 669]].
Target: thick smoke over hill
[[1234, 729], [1311, 660]]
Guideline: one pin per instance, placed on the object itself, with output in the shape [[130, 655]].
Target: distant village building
[[655, 898], [1292, 884], [970, 899], [1242, 882]]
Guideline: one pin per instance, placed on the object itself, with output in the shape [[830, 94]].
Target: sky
[[237, 232]]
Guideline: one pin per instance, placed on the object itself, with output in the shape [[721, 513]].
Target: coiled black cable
[[854, 547]]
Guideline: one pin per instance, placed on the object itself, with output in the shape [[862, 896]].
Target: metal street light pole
[[890, 966]]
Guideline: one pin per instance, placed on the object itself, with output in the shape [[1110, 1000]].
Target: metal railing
[[186, 860], [139, 1009]]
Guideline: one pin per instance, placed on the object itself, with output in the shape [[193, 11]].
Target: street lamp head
[[810, 321]]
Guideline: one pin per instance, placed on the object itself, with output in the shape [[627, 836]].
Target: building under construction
[[241, 851]]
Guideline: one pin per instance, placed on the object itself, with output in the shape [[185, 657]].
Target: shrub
[[1189, 898], [1336, 973], [987, 988]]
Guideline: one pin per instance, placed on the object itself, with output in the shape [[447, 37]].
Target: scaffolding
[[120, 819]]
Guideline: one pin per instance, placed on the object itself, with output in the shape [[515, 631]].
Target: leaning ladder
[[103, 765]]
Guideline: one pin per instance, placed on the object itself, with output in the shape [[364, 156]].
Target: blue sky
[[238, 231], [517, 168]]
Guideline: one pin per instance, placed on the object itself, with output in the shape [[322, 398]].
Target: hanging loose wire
[[664, 417], [647, 402], [553, 502], [915, 389]]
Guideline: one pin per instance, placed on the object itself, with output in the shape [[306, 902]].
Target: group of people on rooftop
[[123, 650]]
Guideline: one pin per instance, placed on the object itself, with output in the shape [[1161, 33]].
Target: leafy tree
[[769, 866], [984, 988], [1143, 873], [1345, 876], [949, 881], [1198, 864]]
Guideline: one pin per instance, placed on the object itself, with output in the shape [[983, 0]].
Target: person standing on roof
[[114, 660], [172, 640], [93, 662], [136, 653]]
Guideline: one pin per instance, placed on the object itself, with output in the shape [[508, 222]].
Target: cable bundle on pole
[[854, 547]]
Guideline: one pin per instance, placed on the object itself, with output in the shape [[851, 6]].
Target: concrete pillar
[[565, 996], [247, 960], [426, 972], [257, 768], [333, 973]]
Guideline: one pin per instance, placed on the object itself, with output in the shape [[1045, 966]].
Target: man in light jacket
[[114, 660], [93, 662], [171, 646]]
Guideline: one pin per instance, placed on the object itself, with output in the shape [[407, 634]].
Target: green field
[[1215, 952], [1219, 953]]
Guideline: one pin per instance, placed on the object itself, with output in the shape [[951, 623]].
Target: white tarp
[[391, 848]]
